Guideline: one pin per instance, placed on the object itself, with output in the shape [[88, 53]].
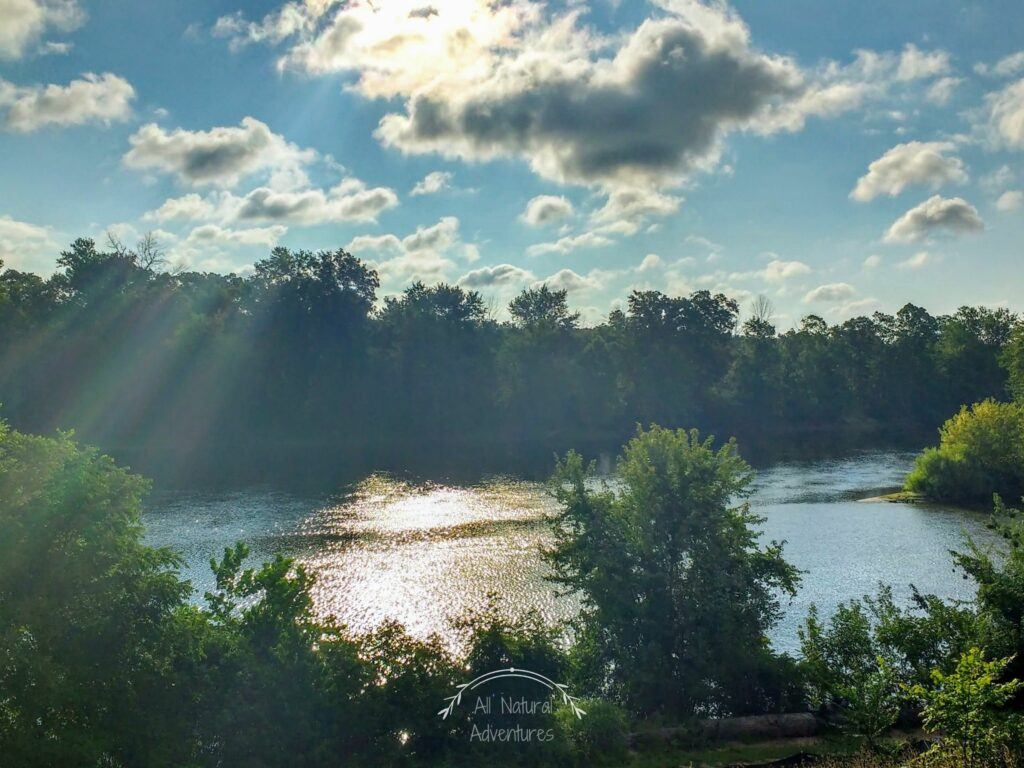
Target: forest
[[177, 371]]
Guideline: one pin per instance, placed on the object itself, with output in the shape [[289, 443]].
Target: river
[[424, 551]]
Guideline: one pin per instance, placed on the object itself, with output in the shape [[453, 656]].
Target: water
[[425, 553]]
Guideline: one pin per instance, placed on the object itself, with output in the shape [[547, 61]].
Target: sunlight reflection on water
[[425, 553]]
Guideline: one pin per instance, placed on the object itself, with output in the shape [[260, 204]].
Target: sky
[[837, 158]]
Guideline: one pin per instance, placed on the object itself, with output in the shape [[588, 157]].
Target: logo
[[503, 707]]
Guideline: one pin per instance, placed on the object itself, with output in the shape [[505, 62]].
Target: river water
[[425, 552]]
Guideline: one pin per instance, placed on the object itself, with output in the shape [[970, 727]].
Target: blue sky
[[836, 158]]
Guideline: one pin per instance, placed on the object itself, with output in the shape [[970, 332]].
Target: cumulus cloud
[[432, 183], [93, 98], [916, 162], [568, 280], [872, 261], [425, 254], [216, 235], [1010, 200], [778, 270], [26, 21], [570, 243], [498, 275], [221, 156], [1006, 113], [190, 207], [916, 64], [829, 292], [26, 246], [639, 108], [937, 213], [650, 113], [351, 200], [626, 210], [651, 262], [546, 209]]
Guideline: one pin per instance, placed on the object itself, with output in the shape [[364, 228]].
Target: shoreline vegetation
[[106, 661], [980, 456], [303, 364]]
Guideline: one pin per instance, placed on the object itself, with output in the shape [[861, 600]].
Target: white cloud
[[101, 99], [916, 162], [568, 280], [570, 243], [651, 262], [856, 307], [26, 246], [918, 260], [498, 275], [216, 235], [916, 64], [1010, 200], [425, 254], [627, 209], [221, 156], [1005, 67], [830, 292], [778, 270], [955, 215], [26, 21], [1006, 114], [872, 261], [546, 209], [640, 108], [941, 91], [190, 207], [432, 183], [350, 200], [651, 112]]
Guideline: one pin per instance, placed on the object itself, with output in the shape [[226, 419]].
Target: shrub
[[600, 737], [968, 708], [980, 453]]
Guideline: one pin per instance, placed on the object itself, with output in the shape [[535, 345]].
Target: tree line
[[304, 351]]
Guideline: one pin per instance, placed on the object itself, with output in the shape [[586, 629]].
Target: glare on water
[[426, 553]]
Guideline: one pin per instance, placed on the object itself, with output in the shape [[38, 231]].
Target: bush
[[600, 737], [980, 453], [968, 708]]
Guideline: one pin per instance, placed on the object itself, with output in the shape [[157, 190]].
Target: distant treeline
[[302, 352]]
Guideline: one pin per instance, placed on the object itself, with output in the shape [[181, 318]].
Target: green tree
[[980, 453], [86, 612], [677, 592], [968, 707]]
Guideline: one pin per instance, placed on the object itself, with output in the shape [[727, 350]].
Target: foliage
[[1000, 580], [85, 610], [105, 661], [968, 708], [599, 738], [208, 372], [677, 593], [980, 452]]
